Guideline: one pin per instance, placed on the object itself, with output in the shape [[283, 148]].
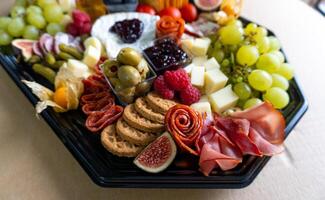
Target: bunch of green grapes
[[254, 64], [27, 20]]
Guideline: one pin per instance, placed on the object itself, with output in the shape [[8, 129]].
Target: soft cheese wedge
[[91, 56], [211, 64], [203, 107], [197, 76], [214, 80], [223, 99]]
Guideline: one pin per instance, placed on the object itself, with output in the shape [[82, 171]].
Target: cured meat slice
[[185, 125]]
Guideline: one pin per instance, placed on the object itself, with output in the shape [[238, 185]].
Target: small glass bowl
[[160, 66], [140, 89]]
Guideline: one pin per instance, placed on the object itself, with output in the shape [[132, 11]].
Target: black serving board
[[107, 170]]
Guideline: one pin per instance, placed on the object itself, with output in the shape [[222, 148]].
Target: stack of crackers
[[142, 122]]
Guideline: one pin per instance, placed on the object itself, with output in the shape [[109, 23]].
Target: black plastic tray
[[110, 171]]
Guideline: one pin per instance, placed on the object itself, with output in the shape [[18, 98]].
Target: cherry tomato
[[143, 8], [189, 12], [170, 11]]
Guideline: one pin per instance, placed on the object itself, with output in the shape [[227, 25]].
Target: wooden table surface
[[35, 164]]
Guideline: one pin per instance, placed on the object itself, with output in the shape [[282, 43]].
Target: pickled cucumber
[[71, 50], [44, 71]]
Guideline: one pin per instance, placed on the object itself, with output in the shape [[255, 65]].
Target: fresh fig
[[158, 155], [25, 46], [207, 5]]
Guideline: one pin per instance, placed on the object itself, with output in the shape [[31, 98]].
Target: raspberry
[[190, 95], [177, 80], [85, 29], [162, 89], [80, 17], [72, 29]]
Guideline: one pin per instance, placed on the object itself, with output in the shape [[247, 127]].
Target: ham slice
[[258, 131]]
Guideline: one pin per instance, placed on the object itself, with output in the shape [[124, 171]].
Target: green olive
[[127, 94], [113, 81], [142, 88], [110, 68], [129, 56], [143, 68], [128, 76]]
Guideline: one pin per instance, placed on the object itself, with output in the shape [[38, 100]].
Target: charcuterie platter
[[173, 100]]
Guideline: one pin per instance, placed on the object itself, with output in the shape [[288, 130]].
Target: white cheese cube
[[204, 98], [199, 60], [203, 107], [223, 99], [187, 44], [93, 41], [197, 76], [200, 46], [91, 56], [214, 80], [211, 64], [189, 67]]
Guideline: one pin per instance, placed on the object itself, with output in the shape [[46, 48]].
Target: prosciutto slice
[[258, 131]]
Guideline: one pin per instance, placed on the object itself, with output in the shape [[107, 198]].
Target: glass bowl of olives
[[165, 54], [129, 75]]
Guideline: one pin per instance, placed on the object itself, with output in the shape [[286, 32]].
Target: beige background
[[34, 164]]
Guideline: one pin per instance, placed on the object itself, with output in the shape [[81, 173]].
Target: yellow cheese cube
[[187, 44], [211, 64], [223, 99], [199, 60], [203, 107], [214, 80], [200, 46], [197, 76], [91, 56]]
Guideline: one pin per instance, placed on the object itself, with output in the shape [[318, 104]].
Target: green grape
[[263, 44], [279, 54], [279, 81], [225, 63], [34, 9], [4, 22], [36, 20], [17, 11], [260, 32], [286, 70], [31, 32], [242, 90], [274, 43], [20, 3], [16, 27], [268, 62], [5, 38], [278, 97], [53, 28], [252, 102], [247, 55], [217, 45], [235, 22], [260, 80], [43, 3], [53, 13], [231, 35], [218, 55], [250, 29]]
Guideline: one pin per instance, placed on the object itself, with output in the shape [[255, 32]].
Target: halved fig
[[207, 5], [25, 46], [158, 155]]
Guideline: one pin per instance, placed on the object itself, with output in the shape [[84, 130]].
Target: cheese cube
[[204, 98], [200, 46], [203, 107], [197, 76], [214, 80], [93, 41], [223, 99], [211, 64], [187, 44], [91, 56], [199, 60], [189, 67]]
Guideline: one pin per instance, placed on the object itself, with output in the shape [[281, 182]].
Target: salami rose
[[170, 26], [185, 125]]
